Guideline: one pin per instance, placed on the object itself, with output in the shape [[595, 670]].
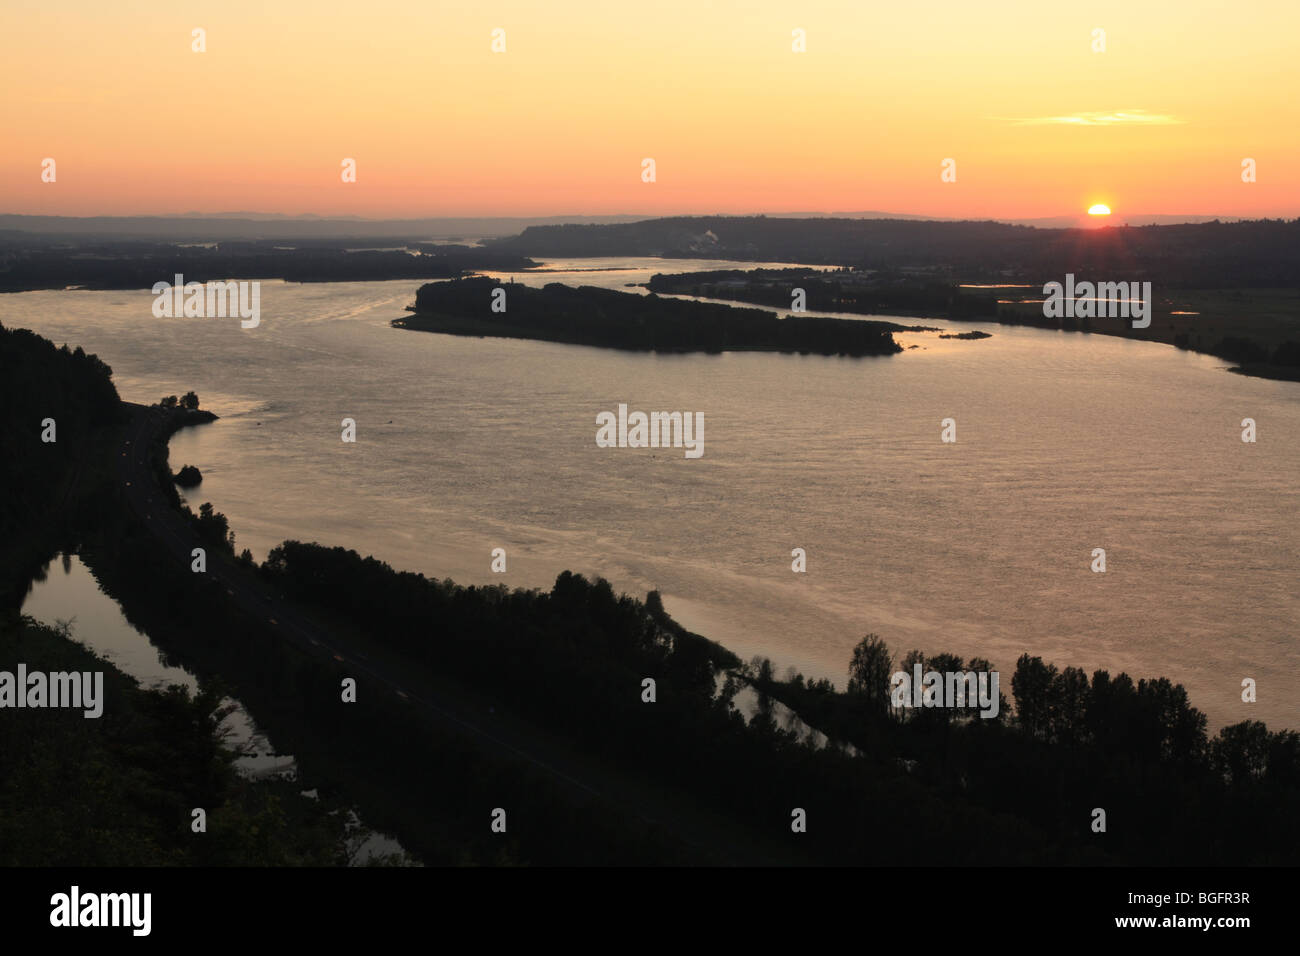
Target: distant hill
[[215, 228], [1042, 222], [1264, 253]]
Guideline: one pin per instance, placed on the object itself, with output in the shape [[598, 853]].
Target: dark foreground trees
[[965, 788]]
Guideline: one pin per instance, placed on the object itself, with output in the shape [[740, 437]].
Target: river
[[1065, 442]]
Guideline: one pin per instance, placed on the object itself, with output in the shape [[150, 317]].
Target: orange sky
[[1038, 123]]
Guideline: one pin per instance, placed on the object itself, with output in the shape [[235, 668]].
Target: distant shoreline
[[1250, 328]]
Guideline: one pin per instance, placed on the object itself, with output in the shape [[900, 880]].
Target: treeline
[[127, 264], [831, 292], [1254, 358], [602, 317], [429, 783], [576, 652], [1263, 253], [1136, 749], [955, 788], [573, 661]]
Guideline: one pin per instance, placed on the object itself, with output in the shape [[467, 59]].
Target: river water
[[1065, 443], [66, 592]]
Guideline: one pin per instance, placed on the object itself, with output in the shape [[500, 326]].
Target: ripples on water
[[1066, 442]]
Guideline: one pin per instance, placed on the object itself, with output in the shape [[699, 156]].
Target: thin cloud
[[1098, 118]]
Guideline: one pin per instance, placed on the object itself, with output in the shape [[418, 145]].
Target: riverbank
[[1259, 329]]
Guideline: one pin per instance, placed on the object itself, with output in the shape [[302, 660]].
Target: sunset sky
[[439, 125]]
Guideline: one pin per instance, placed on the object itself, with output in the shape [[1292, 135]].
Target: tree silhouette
[[870, 670]]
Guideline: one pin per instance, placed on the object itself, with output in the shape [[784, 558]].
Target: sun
[[1101, 209]]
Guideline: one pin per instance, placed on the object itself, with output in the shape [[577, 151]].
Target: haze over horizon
[[228, 225]]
